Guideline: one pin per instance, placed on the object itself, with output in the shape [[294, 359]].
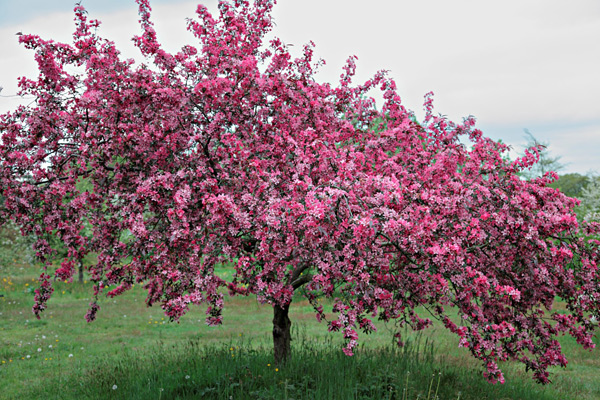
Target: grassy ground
[[132, 352]]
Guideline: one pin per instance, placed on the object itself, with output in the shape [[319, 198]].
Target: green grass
[[136, 349]]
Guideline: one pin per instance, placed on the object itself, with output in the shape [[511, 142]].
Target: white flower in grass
[[70, 355], [39, 349], [187, 377], [28, 356], [114, 387]]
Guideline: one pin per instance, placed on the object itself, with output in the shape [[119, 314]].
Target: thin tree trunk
[[80, 271], [281, 333]]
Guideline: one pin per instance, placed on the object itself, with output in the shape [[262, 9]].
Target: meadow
[[133, 352]]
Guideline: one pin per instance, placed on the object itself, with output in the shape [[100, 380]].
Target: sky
[[514, 65]]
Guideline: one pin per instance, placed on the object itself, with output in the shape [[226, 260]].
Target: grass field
[[132, 352]]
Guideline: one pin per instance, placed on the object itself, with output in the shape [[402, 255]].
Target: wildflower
[[28, 356], [70, 355], [276, 369], [39, 349], [114, 387], [187, 377]]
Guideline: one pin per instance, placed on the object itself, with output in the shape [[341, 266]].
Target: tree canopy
[[571, 184], [231, 153]]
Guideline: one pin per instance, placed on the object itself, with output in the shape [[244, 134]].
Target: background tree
[[232, 153], [571, 184], [546, 162], [590, 200]]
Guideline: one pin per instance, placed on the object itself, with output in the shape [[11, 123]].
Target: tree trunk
[[80, 271], [281, 333]]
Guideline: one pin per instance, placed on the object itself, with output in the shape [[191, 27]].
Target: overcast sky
[[514, 65]]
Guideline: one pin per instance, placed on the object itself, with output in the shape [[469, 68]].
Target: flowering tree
[[590, 200], [232, 153]]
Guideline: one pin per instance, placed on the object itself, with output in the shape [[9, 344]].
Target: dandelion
[[114, 387], [43, 336], [268, 365], [276, 369]]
